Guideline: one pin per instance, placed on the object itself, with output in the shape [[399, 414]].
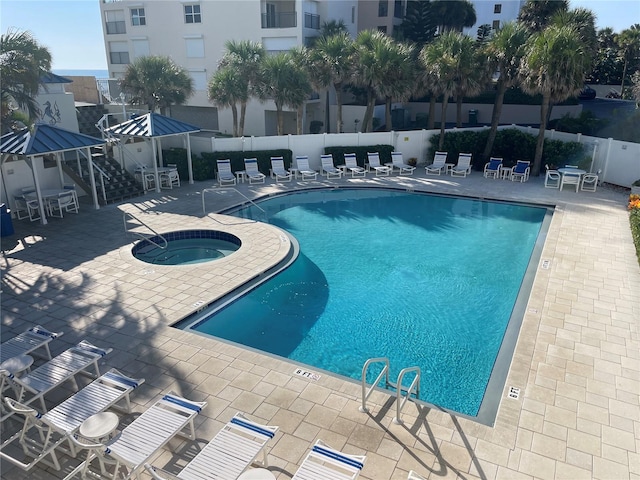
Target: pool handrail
[[385, 371], [415, 385], [148, 238]]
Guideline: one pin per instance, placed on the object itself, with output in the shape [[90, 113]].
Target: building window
[[397, 9], [114, 22], [118, 53], [199, 78], [192, 14], [353, 14], [137, 17], [383, 8], [140, 47], [195, 47], [496, 25], [382, 28], [497, 8]]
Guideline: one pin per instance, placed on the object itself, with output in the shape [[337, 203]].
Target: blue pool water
[[186, 247], [423, 280]]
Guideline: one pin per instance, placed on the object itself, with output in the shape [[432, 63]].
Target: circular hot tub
[[186, 247]]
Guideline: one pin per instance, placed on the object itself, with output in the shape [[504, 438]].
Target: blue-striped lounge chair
[[328, 168], [252, 171], [439, 163], [325, 463], [225, 175], [398, 162], [463, 167], [351, 164], [278, 171], [27, 342], [303, 169], [373, 159]]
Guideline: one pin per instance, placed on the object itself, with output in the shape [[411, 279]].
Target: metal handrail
[[204, 210], [126, 215], [385, 371], [415, 385]]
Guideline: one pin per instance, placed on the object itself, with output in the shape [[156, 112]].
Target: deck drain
[[546, 264], [514, 393], [198, 303], [307, 374]]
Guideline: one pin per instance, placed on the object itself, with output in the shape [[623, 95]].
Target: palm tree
[[470, 76], [629, 43], [156, 82], [332, 57], [284, 82], [372, 52], [504, 51], [554, 65], [245, 57], [225, 90], [23, 61], [453, 15], [536, 14], [301, 58]]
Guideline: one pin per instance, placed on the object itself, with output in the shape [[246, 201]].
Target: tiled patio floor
[[577, 361]]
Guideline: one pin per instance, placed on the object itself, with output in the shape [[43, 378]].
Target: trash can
[[473, 118], [6, 225]]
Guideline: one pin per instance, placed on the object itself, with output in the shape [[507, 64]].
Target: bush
[[361, 153], [634, 221]]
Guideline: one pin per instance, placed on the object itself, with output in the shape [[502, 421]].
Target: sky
[[72, 30]]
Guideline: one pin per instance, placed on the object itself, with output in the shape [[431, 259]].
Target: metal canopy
[[152, 125], [45, 139]]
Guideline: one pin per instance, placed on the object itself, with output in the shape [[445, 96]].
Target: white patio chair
[[20, 207], [351, 164], [572, 179], [589, 182], [27, 342], [170, 178], [252, 172], [225, 175], [552, 178], [439, 163], [398, 162], [521, 171], [492, 168], [328, 168], [303, 169], [108, 391], [64, 202], [463, 167], [325, 463], [278, 171], [374, 164], [228, 454], [142, 438]]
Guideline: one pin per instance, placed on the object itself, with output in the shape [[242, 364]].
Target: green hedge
[[361, 153], [634, 221]]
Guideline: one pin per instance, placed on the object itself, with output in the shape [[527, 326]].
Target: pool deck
[[577, 360]]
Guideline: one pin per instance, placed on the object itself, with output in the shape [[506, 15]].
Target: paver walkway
[[577, 361]]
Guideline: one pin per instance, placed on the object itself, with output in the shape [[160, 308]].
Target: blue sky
[[72, 30]]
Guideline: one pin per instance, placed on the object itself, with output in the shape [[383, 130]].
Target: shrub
[[634, 221]]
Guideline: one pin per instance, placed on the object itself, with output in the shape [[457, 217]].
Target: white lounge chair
[[36, 384], [328, 168], [145, 436], [552, 178], [53, 427], [278, 171], [589, 182], [374, 163], [325, 463], [225, 175], [439, 163], [252, 172], [398, 162], [492, 168], [228, 454], [521, 171], [303, 169], [27, 342], [463, 167], [351, 164]]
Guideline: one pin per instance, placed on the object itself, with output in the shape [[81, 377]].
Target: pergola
[[153, 127], [31, 146]]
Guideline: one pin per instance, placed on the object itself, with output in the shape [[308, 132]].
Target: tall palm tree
[[471, 74], [504, 51], [554, 65], [284, 82], [333, 57], [629, 43], [23, 61], [301, 58], [372, 53], [536, 14], [453, 15], [156, 82], [225, 90], [245, 57]]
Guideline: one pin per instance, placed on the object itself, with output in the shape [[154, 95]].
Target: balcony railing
[[116, 27], [312, 20], [279, 20]]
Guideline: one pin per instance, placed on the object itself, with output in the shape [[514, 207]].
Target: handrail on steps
[[127, 215]]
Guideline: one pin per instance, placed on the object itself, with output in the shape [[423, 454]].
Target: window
[[353, 14], [192, 14], [199, 79], [137, 17], [195, 46], [397, 9], [383, 8], [140, 47], [382, 28], [118, 53], [115, 22], [496, 25], [497, 8]]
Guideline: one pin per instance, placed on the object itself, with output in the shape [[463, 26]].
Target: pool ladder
[[401, 400]]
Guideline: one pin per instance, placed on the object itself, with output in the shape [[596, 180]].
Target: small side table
[[505, 172], [99, 426], [257, 474], [448, 167], [241, 175], [17, 365]]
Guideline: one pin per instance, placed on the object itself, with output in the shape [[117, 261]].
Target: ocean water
[[83, 73]]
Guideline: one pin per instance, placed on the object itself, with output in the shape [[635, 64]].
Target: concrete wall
[[84, 89]]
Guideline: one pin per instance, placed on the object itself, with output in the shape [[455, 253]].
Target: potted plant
[[413, 161], [635, 187]]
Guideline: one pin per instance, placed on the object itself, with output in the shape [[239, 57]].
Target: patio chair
[[521, 171], [52, 427], [463, 167], [492, 168], [64, 202], [225, 175], [351, 164], [398, 162], [36, 384], [373, 159], [228, 454], [328, 168], [170, 416], [551, 178], [325, 463], [252, 172], [572, 179], [439, 163], [589, 182], [302, 168], [27, 342], [170, 178], [278, 171]]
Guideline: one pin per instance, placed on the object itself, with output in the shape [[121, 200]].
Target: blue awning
[[152, 125], [45, 139]]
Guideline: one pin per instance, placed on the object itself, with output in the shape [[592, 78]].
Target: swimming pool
[[424, 280]]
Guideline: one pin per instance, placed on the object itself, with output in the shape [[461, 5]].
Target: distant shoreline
[[99, 74]]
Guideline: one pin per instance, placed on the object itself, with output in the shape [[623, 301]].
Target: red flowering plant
[[634, 220]]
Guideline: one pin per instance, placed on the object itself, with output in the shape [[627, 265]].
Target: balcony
[[312, 21], [116, 27], [279, 20]]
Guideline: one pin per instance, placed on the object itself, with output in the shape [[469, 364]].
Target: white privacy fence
[[617, 161]]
